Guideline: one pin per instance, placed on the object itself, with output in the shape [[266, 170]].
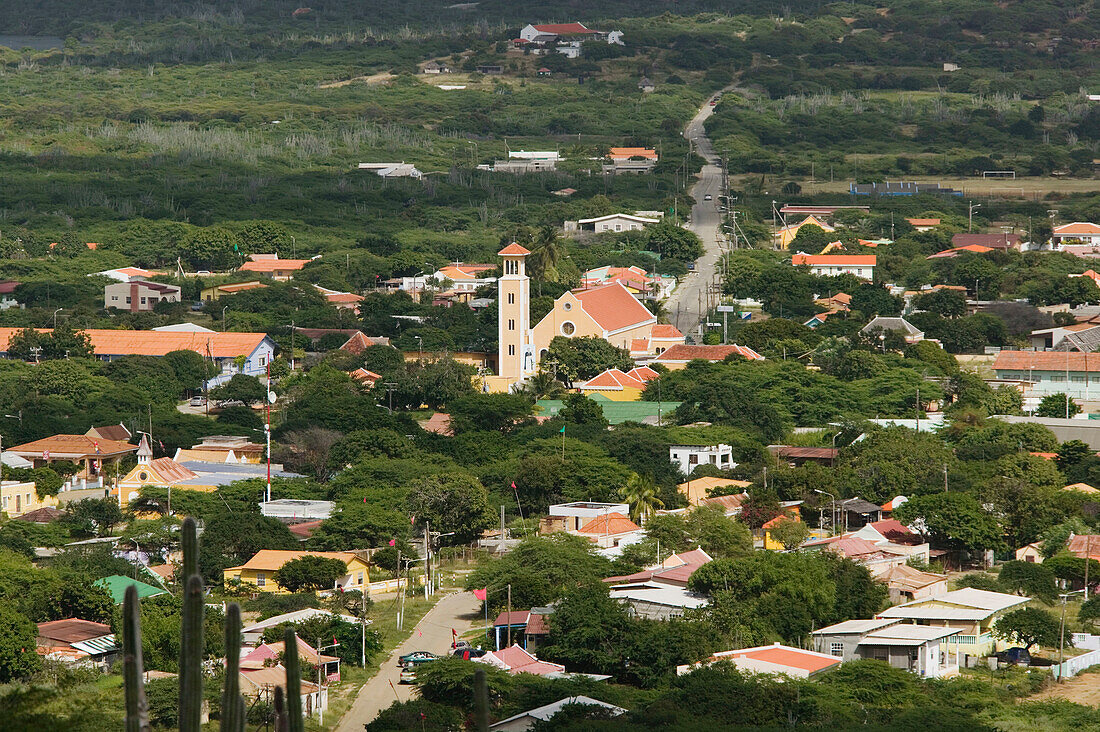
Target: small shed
[[543, 71]]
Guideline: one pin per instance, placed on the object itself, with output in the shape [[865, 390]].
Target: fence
[[1077, 664], [391, 585]]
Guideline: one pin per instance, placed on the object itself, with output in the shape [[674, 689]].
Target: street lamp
[[970, 216], [832, 513], [419, 348], [882, 342], [55, 312], [223, 317]]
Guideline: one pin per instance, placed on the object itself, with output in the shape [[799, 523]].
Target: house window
[[114, 298], [127, 301], [143, 476], [143, 301], [18, 503], [567, 307], [261, 579], [618, 227], [693, 459], [568, 329], [511, 298], [263, 360], [836, 649]]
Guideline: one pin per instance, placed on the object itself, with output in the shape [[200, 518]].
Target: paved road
[[687, 305], [458, 610]]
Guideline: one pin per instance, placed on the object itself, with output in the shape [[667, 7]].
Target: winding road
[[687, 304], [459, 611]]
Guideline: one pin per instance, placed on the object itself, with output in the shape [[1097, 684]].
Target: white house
[[1078, 231], [525, 161], [611, 222], [919, 649], [689, 457], [830, 265], [572, 516]]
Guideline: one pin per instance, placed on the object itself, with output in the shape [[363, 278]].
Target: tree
[[1029, 626], [789, 532], [1057, 405], [454, 503], [92, 517], [672, 242], [232, 538], [1029, 578], [1089, 613], [579, 359], [310, 573], [717, 534], [18, 659], [579, 409], [945, 303], [417, 714], [242, 388], [190, 368], [310, 448], [383, 360], [587, 630], [875, 300], [640, 492], [898, 462], [952, 520], [489, 412], [448, 681]]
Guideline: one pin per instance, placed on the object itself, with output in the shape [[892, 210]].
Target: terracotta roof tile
[[171, 471], [611, 523], [72, 630], [158, 343], [564, 29], [1046, 361], [113, 432], [274, 265], [613, 307], [1077, 227], [513, 249], [60, 446], [792, 657], [663, 330], [835, 259], [684, 353]]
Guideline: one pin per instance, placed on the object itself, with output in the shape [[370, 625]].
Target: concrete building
[[689, 457], [831, 265], [139, 296], [570, 517], [296, 508], [919, 649], [395, 170], [773, 659], [611, 223]]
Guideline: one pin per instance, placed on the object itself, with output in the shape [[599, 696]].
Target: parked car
[[468, 653], [708, 197], [416, 657], [1018, 655], [408, 675], [198, 401]]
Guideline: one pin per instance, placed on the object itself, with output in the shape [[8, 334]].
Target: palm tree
[[641, 493], [543, 386], [547, 251]]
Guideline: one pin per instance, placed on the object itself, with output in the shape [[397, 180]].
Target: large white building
[[831, 265], [689, 457]]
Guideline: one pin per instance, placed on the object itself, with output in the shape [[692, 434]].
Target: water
[[38, 43]]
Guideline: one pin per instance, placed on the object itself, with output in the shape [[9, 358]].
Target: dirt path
[[373, 79], [433, 633], [1081, 689]]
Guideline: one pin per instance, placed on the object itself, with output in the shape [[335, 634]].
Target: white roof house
[[611, 222], [964, 602], [657, 601], [526, 720], [393, 170]]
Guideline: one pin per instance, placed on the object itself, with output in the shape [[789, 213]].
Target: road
[[458, 610], [687, 305]]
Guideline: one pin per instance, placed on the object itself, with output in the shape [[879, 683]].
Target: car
[[713, 102], [416, 657], [691, 266], [462, 644], [1018, 655], [468, 653], [408, 675], [198, 401], [708, 197]]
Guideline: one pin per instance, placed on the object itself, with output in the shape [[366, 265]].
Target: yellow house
[[774, 544], [259, 571], [618, 385], [609, 312], [698, 490], [19, 497], [218, 291], [786, 235]]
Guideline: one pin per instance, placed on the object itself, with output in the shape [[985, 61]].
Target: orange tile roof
[[642, 373], [663, 330], [778, 520], [613, 307], [611, 523], [171, 471], [158, 343], [785, 656], [623, 153], [273, 559], [513, 249], [564, 29], [924, 222], [613, 379], [236, 287], [639, 345], [681, 352], [274, 265], [61, 446], [835, 259], [1077, 227], [1046, 361], [1079, 545], [365, 376]]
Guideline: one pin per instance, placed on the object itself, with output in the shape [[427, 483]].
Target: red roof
[[274, 265], [1077, 227], [171, 471], [513, 249], [158, 343], [1079, 545], [625, 153], [537, 625], [1061, 361], [948, 253], [891, 528], [778, 520], [613, 307], [684, 353], [613, 379], [662, 330], [72, 630], [785, 656], [516, 617], [304, 529], [564, 29], [520, 661], [836, 260], [611, 523]]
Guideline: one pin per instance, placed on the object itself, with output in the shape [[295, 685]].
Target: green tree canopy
[[1029, 626], [310, 572]]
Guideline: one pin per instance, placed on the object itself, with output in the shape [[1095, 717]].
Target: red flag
[[513, 485], [412, 520], [482, 593], [454, 633], [393, 542]]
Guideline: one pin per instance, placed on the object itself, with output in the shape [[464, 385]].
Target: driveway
[[688, 303], [459, 611]]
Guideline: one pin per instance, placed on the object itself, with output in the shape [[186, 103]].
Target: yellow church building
[[608, 311]]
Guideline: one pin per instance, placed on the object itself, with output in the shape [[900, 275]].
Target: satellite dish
[[271, 397]]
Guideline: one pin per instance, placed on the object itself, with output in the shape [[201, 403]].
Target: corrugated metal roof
[[98, 646]]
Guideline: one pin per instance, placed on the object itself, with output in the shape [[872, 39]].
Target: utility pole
[[508, 617], [363, 627], [1088, 560], [970, 215], [427, 558], [400, 589]]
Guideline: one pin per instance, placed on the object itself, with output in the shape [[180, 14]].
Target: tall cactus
[[280, 710], [191, 643], [295, 721], [233, 713], [137, 708]]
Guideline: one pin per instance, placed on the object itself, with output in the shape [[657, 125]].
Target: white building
[[294, 508], [689, 457], [572, 516], [611, 222], [831, 265], [919, 649], [526, 161], [1078, 231]]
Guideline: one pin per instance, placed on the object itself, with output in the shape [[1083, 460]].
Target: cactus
[[481, 701], [191, 645], [293, 682], [280, 710], [137, 708], [232, 715]]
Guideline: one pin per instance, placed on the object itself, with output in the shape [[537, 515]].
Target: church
[[608, 311]]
